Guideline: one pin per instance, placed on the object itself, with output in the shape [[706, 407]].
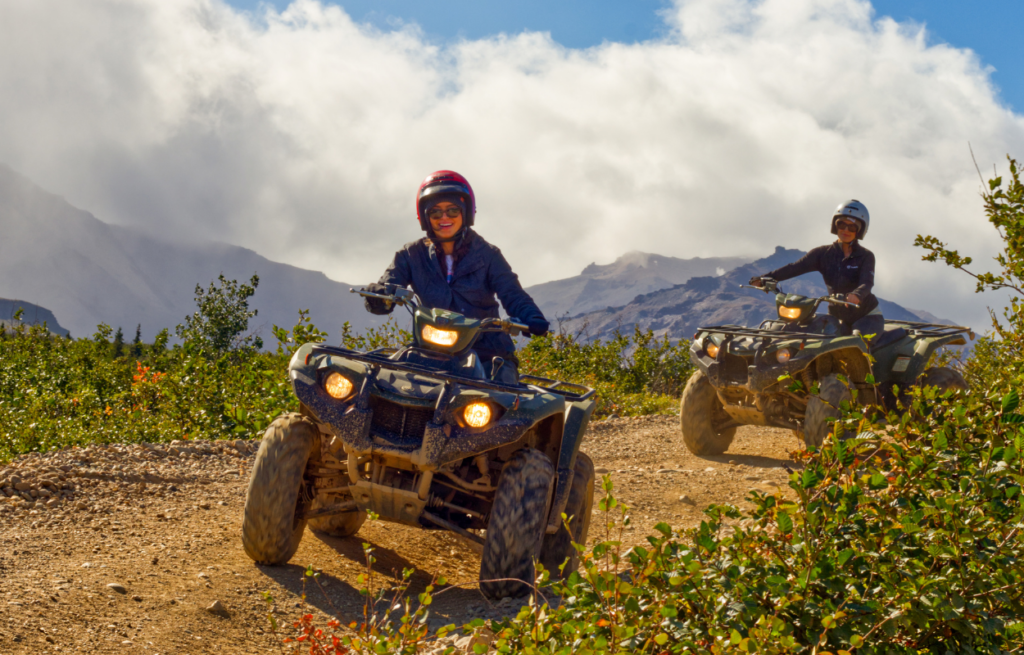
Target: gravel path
[[136, 548]]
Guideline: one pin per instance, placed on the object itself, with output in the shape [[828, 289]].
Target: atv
[[768, 375], [428, 436]]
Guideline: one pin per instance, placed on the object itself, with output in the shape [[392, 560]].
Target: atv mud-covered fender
[[577, 418]]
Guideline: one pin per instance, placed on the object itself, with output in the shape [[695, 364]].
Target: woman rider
[[454, 268], [848, 268]]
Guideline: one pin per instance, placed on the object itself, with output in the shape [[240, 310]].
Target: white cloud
[[303, 135]]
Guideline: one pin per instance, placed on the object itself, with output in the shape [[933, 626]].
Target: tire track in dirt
[[164, 523]]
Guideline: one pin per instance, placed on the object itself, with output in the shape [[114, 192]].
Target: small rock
[[601, 470], [770, 483], [203, 576], [137, 599], [687, 500], [113, 586], [22, 486], [217, 608], [709, 469], [732, 462], [666, 471]]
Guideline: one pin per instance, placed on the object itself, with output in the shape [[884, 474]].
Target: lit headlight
[[783, 355], [712, 350], [477, 415], [338, 386], [789, 312], [439, 337]]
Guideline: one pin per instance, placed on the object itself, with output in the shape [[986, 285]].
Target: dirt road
[[121, 549]]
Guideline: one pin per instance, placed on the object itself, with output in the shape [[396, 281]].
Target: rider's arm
[[809, 263], [867, 277], [398, 273], [513, 298]]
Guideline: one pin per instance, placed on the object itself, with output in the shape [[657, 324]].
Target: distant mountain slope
[[615, 284], [88, 272], [32, 314], [678, 312]]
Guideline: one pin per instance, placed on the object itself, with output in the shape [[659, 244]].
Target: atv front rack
[[736, 331], [932, 329], [381, 358]]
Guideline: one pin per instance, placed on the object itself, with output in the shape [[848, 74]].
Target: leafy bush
[[633, 375], [907, 539], [998, 359]]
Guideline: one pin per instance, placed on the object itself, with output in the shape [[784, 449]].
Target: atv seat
[[886, 338]]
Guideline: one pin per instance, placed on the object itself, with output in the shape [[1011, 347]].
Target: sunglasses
[[451, 212], [848, 226]]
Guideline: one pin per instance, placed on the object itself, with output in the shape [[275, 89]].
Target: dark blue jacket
[[480, 273], [854, 274]]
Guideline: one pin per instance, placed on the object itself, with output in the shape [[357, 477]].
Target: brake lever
[[370, 294]]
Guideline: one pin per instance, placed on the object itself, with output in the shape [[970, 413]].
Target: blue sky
[[991, 32]]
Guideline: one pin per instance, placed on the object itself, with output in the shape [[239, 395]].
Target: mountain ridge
[[676, 312], [88, 272]]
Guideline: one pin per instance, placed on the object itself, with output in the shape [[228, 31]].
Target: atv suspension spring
[[805, 375]]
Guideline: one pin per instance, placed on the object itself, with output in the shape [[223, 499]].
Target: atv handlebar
[[770, 285], [405, 297]]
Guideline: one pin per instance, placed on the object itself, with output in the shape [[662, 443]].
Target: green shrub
[[633, 375], [907, 539]]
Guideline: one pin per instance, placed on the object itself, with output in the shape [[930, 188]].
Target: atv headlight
[[783, 355], [477, 415], [712, 350], [439, 337], [338, 386], [789, 312]]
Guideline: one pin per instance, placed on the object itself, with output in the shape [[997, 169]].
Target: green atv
[[427, 436], [766, 375]]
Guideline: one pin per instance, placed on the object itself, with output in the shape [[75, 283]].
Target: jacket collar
[[855, 251]]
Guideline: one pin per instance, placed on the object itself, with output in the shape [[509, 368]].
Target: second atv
[[767, 375], [426, 436]]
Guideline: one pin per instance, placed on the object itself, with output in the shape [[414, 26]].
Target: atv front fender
[[577, 418]]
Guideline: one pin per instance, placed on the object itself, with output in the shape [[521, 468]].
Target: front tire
[[271, 527], [700, 416], [515, 529], [826, 405], [559, 546]]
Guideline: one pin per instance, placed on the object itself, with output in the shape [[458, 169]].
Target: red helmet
[[445, 182]]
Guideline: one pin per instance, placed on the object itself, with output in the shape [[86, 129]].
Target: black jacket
[[480, 273], [854, 274]]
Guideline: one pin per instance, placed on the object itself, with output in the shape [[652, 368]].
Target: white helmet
[[856, 210]]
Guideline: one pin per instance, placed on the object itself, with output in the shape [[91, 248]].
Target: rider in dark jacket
[[847, 267], [454, 268]]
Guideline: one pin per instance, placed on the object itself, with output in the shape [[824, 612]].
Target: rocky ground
[[136, 549]]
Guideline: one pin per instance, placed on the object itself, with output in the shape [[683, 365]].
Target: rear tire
[[700, 411], [271, 529], [826, 405], [515, 529], [559, 546], [943, 378]]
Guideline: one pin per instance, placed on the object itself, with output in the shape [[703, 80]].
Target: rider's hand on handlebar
[[382, 289], [852, 298], [756, 281], [538, 327]]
